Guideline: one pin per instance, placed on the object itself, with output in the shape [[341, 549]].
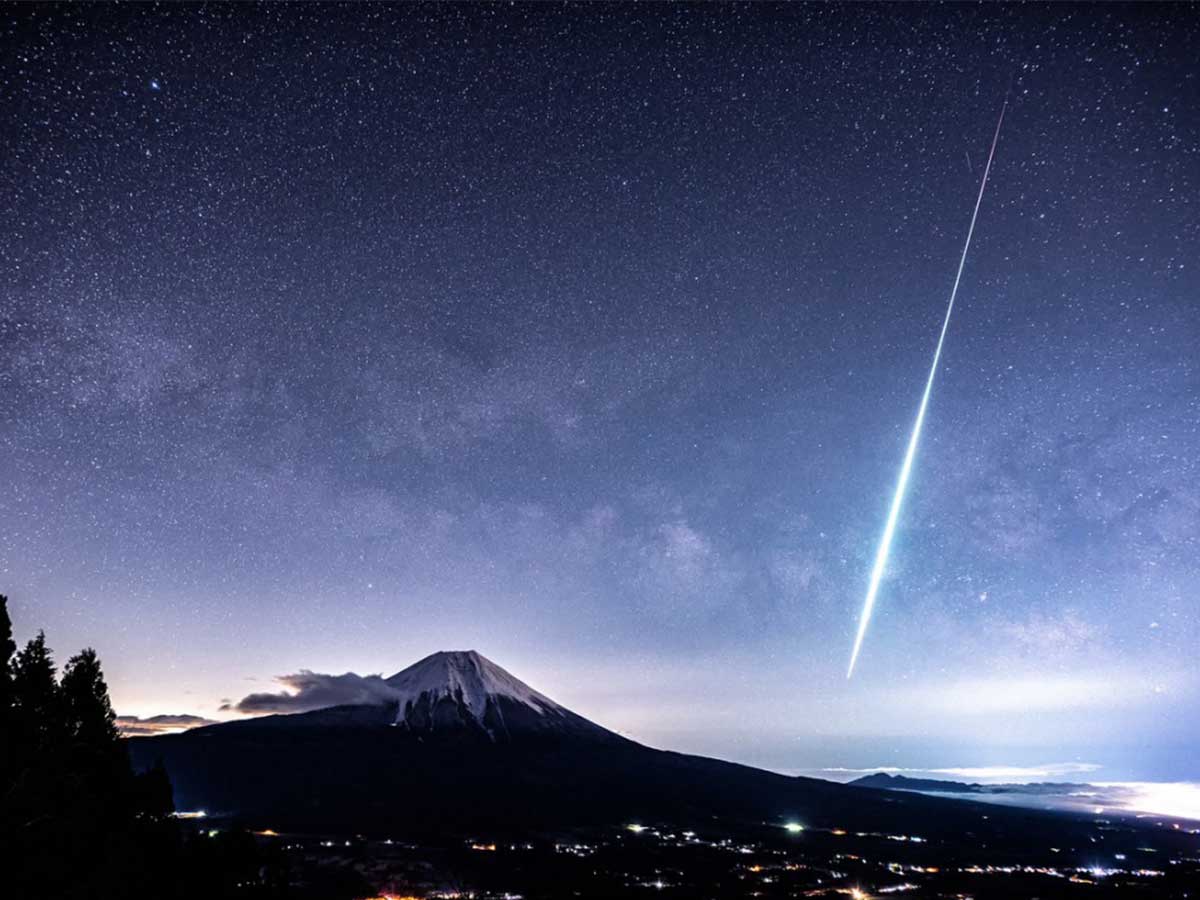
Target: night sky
[[590, 338]]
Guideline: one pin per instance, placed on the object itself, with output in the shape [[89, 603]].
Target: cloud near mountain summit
[[315, 690]]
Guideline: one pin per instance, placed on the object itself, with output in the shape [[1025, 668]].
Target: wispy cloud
[[313, 690], [1051, 770], [134, 726]]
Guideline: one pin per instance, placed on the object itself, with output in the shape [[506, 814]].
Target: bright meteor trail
[[889, 530]]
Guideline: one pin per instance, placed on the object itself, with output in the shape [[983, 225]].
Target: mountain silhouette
[[460, 744]]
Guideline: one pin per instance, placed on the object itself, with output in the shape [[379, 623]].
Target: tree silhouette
[[75, 819], [90, 719], [36, 700], [7, 649]]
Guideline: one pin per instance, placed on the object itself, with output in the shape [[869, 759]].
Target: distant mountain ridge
[[888, 782]]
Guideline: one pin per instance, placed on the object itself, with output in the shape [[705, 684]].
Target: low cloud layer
[[134, 726], [314, 690], [1027, 786]]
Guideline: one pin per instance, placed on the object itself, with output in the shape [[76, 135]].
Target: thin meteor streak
[[889, 530]]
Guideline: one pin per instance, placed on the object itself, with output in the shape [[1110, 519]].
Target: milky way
[[332, 336]]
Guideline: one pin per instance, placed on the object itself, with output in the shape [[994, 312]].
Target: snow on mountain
[[467, 676], [462, 687], [454, 693]]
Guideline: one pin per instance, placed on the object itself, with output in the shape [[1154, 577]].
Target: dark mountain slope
[[438, 760]]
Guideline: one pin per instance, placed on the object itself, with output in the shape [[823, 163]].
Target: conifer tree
[[90, 719], [75, 819], [36, 699], [7, 648]]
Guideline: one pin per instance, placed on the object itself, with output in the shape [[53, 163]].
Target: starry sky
[[589, 337]]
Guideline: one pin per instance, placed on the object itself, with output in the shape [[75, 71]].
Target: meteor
[[889, 529]]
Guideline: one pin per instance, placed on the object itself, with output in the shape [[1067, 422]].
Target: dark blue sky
[[590, 337]]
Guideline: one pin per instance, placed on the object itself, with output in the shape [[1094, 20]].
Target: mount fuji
[[452, 695], [454, 743], [460, 689]]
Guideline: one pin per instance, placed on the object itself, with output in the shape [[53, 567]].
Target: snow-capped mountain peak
[[454, 689], [467, 676]]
